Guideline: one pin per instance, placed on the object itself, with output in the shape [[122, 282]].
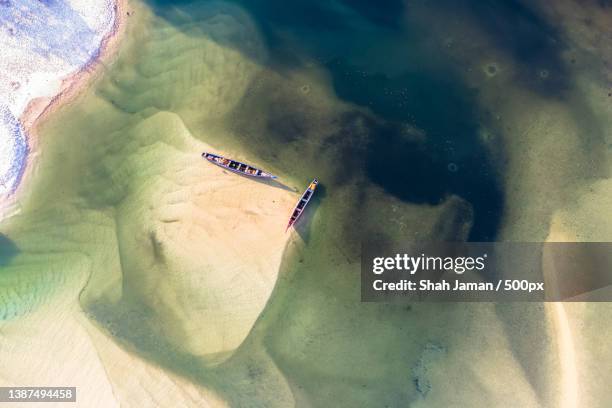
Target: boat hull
[[299, 208], [237, 167]]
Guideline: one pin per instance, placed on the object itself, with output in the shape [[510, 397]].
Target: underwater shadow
[[8, 250]]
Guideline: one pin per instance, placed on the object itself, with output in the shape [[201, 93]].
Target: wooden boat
[[301, 205], [236, 166]]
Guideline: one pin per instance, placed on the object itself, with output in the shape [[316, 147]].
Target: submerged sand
[[59, 345]]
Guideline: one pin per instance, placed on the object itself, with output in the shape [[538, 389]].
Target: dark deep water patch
[[450, 158]]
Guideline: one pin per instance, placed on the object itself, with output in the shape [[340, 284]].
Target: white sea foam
[[14, 146], [42, 42]]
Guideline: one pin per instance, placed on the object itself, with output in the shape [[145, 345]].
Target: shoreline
[[39, 109]]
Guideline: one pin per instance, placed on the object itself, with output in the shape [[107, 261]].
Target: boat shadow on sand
[[303, 225], [269, 182]]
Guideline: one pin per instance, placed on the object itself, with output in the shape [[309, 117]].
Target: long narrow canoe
[[301, 205], [236, 166]]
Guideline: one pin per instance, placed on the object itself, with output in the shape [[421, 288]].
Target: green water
[[209, 67]]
